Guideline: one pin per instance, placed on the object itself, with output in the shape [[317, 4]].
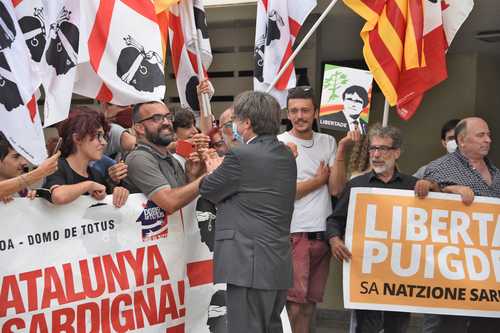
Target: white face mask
[[451, 146]]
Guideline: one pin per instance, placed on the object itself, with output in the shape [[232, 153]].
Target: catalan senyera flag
[[405, 43]]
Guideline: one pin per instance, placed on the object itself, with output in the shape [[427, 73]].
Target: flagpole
[[301, 44], [385, 119], [205, 101]]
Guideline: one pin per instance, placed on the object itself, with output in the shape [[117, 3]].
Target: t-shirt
[[311, 211], [114, 141], [65, 175], [150, 171]]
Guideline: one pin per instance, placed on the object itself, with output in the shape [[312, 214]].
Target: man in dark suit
[[254, 190], [355, 98]]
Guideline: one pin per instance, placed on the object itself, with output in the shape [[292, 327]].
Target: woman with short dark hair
[[84, 139]]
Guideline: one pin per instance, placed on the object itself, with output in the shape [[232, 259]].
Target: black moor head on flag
[[62, 53], [35, 34], [9, 93], [259, 50], [7, 28], [274, 22], [138, 68], [201, 21], [192, 94], [217, 319]]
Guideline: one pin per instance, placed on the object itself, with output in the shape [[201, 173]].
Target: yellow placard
[[432, 255]]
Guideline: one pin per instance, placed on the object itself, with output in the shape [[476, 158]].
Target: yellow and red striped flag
[[405, 42], [163, 16]]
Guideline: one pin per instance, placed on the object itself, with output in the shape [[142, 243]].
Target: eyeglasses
[[218, 144], [381, 149], [228, 124], [101, 137], [159, 117]]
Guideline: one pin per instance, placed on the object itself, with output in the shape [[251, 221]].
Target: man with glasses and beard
[[152, 170], [384, 149]]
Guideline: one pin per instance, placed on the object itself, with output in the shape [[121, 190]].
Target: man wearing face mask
[[226, 126], [447, 141], [152, 170], [254, 190], [384, 149]]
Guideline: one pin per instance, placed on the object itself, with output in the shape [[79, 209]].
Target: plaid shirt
[[455, 169]]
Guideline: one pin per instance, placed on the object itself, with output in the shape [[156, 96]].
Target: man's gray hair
[[261, 109], [460, 129], [386, 132]]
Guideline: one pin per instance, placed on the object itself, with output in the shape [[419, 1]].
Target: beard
[[160, 139], [383, 168]]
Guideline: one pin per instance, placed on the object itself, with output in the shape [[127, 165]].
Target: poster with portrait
[[345, 98]]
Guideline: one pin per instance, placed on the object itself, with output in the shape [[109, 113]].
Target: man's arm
[[319, 179], [465, 192], [338, 174], [127, 141], [173, 199], [224, 181], [335, 227]]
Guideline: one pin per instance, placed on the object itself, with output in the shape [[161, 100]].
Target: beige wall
[[488, 99]]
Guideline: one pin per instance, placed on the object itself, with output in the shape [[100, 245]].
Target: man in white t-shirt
[[320, 174]]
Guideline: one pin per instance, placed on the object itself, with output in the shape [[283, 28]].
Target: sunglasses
[[306, 90]]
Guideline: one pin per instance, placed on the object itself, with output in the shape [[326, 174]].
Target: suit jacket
[[254, 190], [340, 118]]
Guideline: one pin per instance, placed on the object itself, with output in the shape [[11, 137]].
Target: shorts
[[311, 265]]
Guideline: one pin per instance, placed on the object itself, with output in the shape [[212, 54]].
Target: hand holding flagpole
[[205, 100]]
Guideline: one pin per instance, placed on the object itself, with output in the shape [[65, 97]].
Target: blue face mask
[[237, 135]]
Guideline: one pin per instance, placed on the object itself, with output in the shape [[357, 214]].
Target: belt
[[316, 235]]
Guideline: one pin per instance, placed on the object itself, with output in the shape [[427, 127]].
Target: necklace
[[302, 145], [312, 144]]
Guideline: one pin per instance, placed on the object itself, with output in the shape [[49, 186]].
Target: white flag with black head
[[51, 31], [277, 27], [200, 22], [121, 60], [19, 119]]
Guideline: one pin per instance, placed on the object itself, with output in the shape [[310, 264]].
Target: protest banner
[[345, 98], [432, 255], [90, 267]]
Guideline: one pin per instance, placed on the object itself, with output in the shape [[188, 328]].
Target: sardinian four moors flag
[[19, 79], [182, 46], [278, 24], [405, 44], [51, 31], [121, 52]]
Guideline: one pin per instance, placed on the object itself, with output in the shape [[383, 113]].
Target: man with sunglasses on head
[[152, 169], [384, 149], [320, 174]]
